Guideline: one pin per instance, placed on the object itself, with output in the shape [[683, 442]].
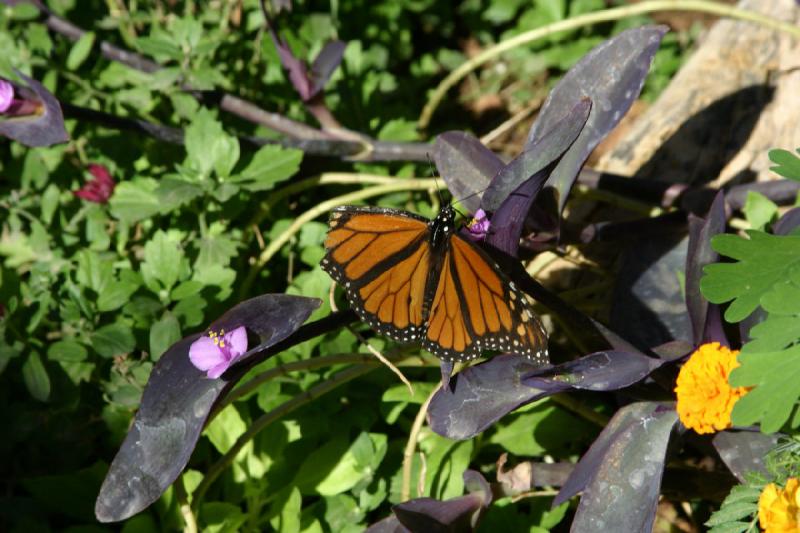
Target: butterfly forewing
[[382, 258]]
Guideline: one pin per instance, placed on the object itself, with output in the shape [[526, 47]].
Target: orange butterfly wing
[[382, 258], [476, 308], [454, 298]]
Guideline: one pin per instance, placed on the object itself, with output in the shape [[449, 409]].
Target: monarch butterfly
[[415, 279]]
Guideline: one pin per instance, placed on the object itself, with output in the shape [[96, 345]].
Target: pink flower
[[478, 227], [6, 95], [218, 351], [100, 188]]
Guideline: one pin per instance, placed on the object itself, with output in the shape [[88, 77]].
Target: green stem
[[268, 418], [313, 364], [190, 522], [588, 19], [411, 445]]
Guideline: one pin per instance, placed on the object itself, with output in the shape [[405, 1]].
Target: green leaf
[[221, 517], [159, 46], [163, 258], [80, 51], [759, 210], [742, 502], [214, 250], [115, 295], [67, 350], [163, 334], [336, 467], [49, 203], [786, 163], [226, 427], [190, 309], [775, 377], [763, 261], [208, 147], [135, 200], [114, 339], [93, 271], [172, 193], [286, 508], [271, 165], [35, 377], [186, 289]]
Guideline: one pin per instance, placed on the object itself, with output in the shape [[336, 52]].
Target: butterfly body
[[414, 279]]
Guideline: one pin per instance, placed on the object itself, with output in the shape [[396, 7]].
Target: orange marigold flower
[[779, 509], [705, 399]]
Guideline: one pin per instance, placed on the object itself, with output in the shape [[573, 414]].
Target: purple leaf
[[176, 403], [698, 255], [600, 371], [537, 155], [788, 222], [611, 75], [648, 307], [508, 221], [481, 395], [43, 129], [296, 68], [426, 514], [325, 64], [515, 188], [390, 524], [743, 451], [466, 166], [622, 494]]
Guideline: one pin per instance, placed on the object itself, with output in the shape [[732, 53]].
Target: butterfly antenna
[[435, 180]]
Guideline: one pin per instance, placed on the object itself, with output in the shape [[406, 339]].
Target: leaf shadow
[[703, 145]]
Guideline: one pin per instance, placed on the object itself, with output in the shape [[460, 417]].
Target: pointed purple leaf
[[427, 514], [176, 403], [390, 524], [698, 255], [788, 222], [507, 223], [586, 469], [326, 62], [44, 129], [744, 451], [611, 75], [537, 155], [481, 395], [623, 493], [600, 371], [648, 307], [673, 350], [296, 68], [466, 166]]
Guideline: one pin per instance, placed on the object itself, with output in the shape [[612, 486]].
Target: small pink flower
[[216, 352], [478, 227], [100, 188], [6, 95]]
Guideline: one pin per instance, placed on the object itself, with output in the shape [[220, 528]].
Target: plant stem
[[588, 19], [190, 522], [312, 364], [267, 418], [411, 445]]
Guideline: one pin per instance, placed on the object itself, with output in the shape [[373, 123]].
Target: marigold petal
[[705, 399]]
